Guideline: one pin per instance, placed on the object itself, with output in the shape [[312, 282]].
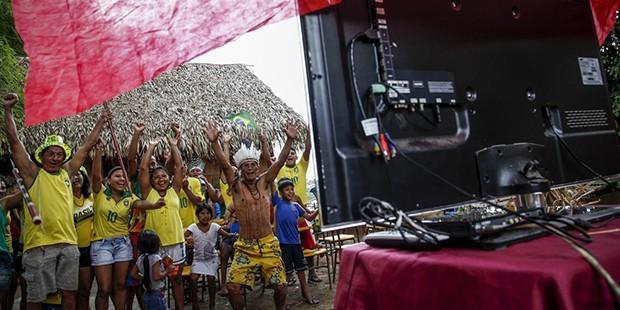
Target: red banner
[[604, 12], [86, 52]]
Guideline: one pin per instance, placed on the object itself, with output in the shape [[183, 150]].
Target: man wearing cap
[[256, 247], [51, 256]]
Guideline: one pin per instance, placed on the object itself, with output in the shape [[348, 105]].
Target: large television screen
[[458, 77]]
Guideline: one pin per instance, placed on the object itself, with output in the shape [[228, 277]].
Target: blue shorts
[[6, 270], [110, 251]]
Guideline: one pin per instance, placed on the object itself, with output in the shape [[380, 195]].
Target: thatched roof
[[189, 95]]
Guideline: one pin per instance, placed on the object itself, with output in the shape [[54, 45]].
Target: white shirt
[[204, 242]]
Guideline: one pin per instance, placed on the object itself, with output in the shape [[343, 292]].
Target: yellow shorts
[[257, 255]]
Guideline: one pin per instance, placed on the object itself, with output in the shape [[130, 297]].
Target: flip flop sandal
[[315, 279], [313, 301]]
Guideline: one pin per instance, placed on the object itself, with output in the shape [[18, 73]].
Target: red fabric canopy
[[86, 52]]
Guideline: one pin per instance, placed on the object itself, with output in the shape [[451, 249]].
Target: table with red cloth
[[545, 273]]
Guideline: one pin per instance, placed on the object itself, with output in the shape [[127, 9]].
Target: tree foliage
[[610, 52], [7, 28], [12, 61]]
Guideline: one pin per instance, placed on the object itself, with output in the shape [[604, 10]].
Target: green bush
[[610, 53]]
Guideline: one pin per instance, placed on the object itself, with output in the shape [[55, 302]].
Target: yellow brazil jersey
[[224, 190], [187, 210], [83, 213], [111, 217], [165, 221], [297, 174], [53, 198]]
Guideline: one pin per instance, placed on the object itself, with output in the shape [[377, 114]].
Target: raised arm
[[145, 174], [265, 157], [308, 145], [97, 178], [26, 167], [179, 169], [226, 145], [212, 193], [212, 135], [196, 200], [81, 154], [132, 157], [169, 159], [291, 133], [169, 162]]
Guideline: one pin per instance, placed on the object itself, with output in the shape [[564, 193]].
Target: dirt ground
[[257, 299]]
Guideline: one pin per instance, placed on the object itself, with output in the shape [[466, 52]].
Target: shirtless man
[[257, 247]]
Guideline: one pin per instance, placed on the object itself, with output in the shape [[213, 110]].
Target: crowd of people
[[131, 229]]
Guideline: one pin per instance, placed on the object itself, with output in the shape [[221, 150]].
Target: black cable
[[351, 50], [391, 217]]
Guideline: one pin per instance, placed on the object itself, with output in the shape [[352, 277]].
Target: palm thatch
[[190, 95]]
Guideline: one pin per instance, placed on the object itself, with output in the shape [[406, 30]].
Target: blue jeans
[[154, 300]]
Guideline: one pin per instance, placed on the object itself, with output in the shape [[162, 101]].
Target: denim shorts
[[6, 270], [110, 251], [154, 300]]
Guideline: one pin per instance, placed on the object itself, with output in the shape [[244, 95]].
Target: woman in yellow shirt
[[111, 249], [166, 222], [83, 217]]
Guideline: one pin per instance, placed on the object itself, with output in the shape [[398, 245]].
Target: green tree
[[7, 28], [610, 52], [13, 62]]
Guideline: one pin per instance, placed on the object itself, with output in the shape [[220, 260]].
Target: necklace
[[254, 193]]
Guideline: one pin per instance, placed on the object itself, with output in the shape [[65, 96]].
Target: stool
[[318, 253]]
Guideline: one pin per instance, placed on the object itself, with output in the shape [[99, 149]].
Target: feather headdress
[[246, 152]]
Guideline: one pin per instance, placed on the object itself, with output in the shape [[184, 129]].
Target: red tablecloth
[[540, 274]]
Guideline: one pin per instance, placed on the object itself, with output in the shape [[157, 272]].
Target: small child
[[203, 235], [286, 214], [150, 269]]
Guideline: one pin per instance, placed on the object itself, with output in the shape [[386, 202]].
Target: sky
[[275, 54]]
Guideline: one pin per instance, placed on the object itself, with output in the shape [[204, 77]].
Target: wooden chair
[[318, 253], [333, 241]]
